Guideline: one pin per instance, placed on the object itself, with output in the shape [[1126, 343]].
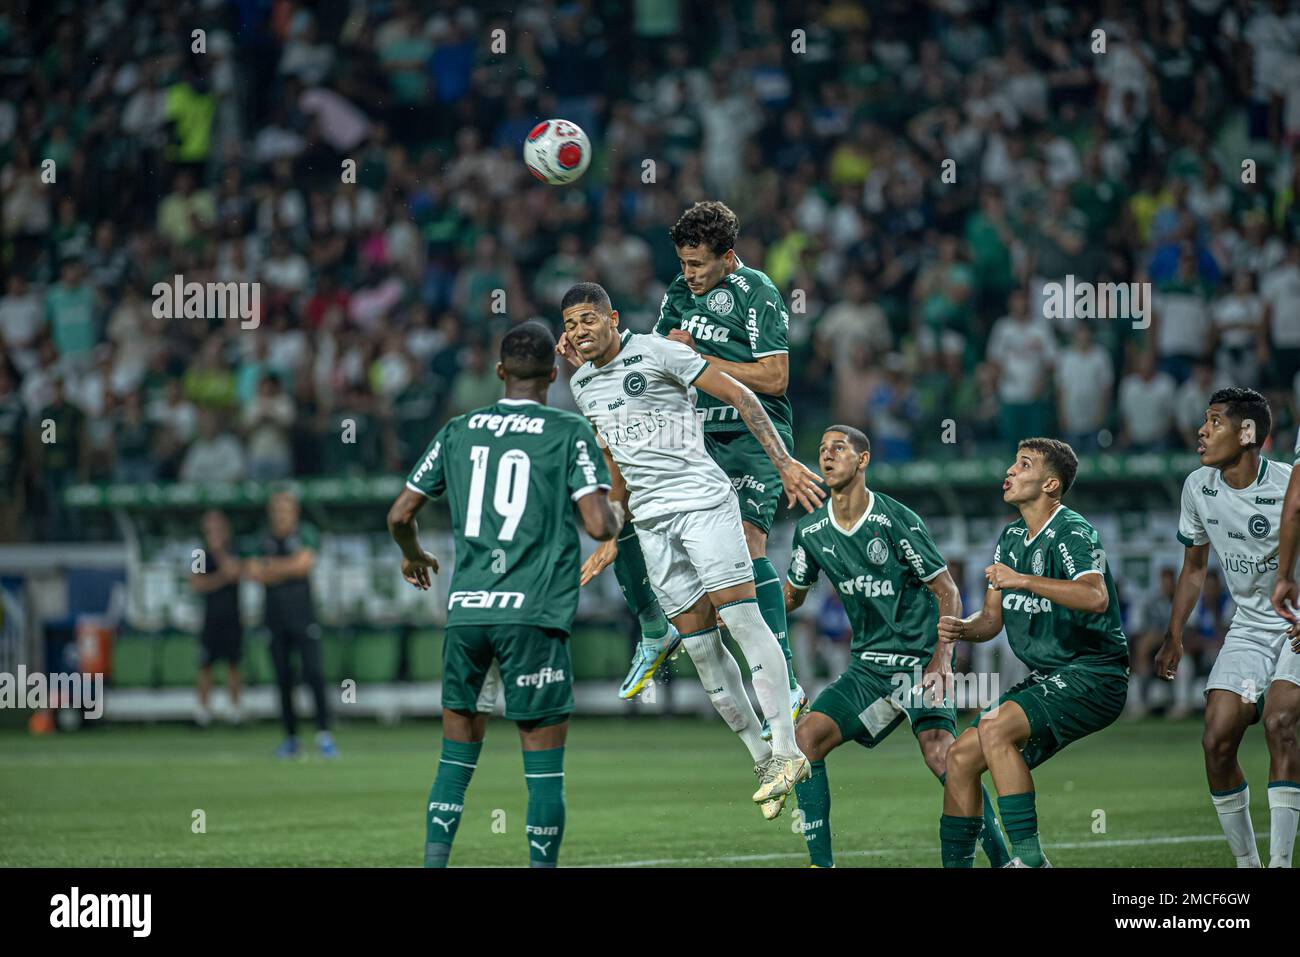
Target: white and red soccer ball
[[557, 152]]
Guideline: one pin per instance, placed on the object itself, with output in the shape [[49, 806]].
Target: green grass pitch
[[650, 792]]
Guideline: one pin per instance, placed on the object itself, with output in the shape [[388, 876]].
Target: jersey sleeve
[[768, 323], [803, 568], [429, 477], [679, 362], [670, 316], [587, 469], [1191, 527], [1081, 552], [916, 547]]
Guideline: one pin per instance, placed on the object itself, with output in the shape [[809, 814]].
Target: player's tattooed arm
[[1286, 594], [1191, 578], [981, 626], [801, 483], [416, 562]]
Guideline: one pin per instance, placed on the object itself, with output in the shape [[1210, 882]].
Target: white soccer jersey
[[1242, 527], [642, 406]]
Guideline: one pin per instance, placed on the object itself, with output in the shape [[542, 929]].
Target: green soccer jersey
[[741, 319], [1046, 637], [880, 568], [511, 473]]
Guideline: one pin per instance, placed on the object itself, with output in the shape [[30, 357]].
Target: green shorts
[[1066, 705], [535, 670], [753, 476], [867, 705]]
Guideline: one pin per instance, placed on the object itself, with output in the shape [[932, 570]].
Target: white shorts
[[1251, 659], [688, 554]]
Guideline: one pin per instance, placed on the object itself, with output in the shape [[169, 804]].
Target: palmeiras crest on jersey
[[877, 551], [634, 383], [719, 301], [1038, 562]]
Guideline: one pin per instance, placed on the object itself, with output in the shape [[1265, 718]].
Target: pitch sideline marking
[[748, 858]]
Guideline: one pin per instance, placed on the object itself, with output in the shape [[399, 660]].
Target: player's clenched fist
[[801, 485], [951, 628], [1167, 658], [1000, 577], [416, 570]]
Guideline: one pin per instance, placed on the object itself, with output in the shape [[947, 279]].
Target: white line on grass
[[754, 858]]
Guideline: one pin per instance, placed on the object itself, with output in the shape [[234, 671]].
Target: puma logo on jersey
[[486, 599], [445, 825], [829, 548], [542, 848], [698, 327]]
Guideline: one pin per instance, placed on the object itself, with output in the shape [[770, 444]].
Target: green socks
[[447, 799], [1021, 821], [814, 796], [771, 605], [634, 580], [957, 837], [544, 772], [995, 848]]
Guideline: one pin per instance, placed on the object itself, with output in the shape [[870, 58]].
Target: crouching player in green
[[1051, 586], [879, 556], [512, 473]]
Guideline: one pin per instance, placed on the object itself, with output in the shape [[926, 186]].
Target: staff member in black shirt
[[289, 551], [222, 637]]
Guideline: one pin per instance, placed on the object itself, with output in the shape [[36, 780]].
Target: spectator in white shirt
[[216, 456], [1084, 379], [1280, 289], [1240, 331], [1146, 406], [1023, 347]]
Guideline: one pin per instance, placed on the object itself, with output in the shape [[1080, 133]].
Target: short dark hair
[[1242, 404], [528, 351], [858, 440], [710, 223], [1057, 456], [587, 292]]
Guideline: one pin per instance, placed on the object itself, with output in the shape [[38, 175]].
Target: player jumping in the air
[[1234, 503], [733, 315], [1051, 586], [636, 389], [511, 473], [879, 556]]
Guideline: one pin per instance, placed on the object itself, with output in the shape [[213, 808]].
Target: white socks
[[1234, 814], [720, 675], [767, 670], [1284, 809]]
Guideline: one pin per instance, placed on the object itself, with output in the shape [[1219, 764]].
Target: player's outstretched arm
[[1191, 578], [416, 562], [1286, 594], [1085, 593], [769, 375], [607, 551], [801, 483], [981, 626]]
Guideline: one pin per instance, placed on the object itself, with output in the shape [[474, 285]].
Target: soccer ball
[[557, 152]]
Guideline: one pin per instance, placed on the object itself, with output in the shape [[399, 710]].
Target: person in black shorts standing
[[288, 553], [222, 638]]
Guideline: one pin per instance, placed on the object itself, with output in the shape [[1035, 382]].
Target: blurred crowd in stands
[[912, 175]]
